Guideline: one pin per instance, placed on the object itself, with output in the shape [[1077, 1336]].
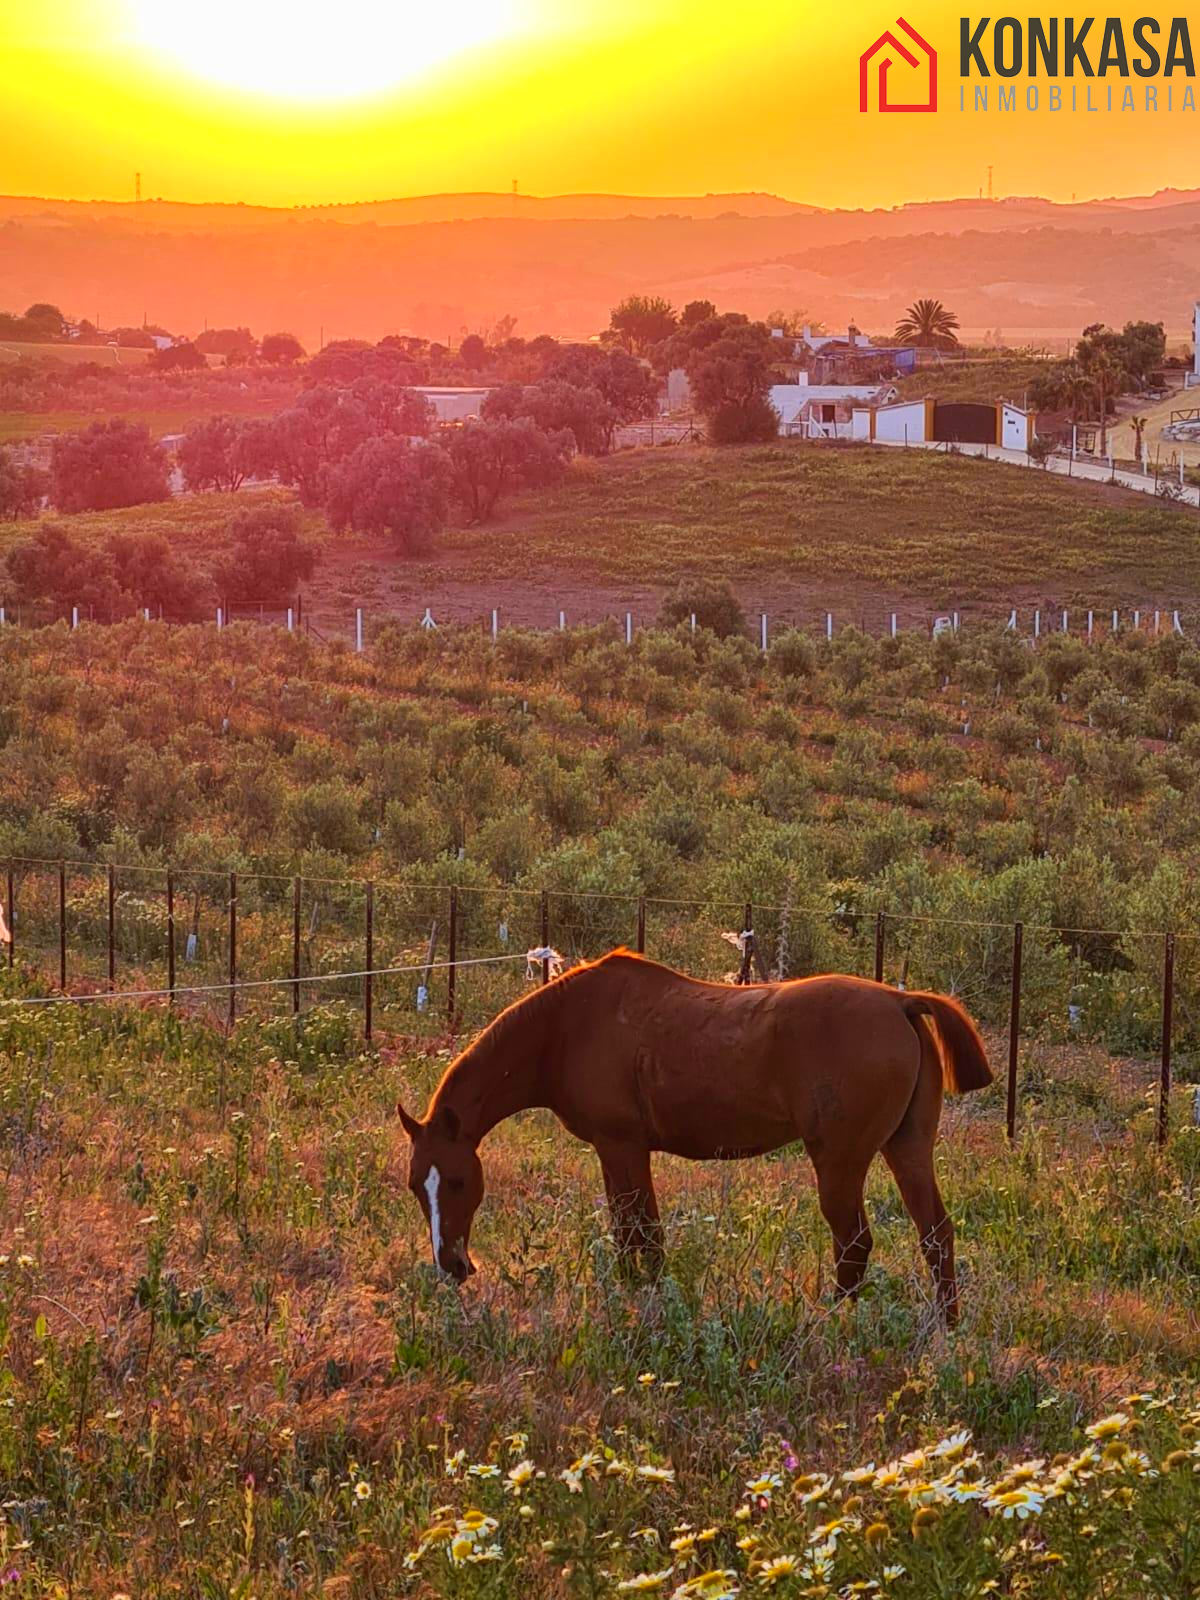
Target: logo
[[888, 40]]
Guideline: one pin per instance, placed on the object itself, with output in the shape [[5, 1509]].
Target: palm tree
[[927, 322], [1139, 426]]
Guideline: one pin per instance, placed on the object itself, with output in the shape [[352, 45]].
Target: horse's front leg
[[637, 1229]]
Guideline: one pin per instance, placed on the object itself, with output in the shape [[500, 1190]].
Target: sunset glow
[[307, 52]]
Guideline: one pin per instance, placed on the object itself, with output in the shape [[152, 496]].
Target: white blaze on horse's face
[[432, 1180]]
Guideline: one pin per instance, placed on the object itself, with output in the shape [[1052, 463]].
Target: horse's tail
[[957, 1039]]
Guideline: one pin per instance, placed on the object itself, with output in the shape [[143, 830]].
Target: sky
[[292, 102]]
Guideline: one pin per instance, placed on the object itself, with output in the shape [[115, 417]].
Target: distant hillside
[[442, 264]]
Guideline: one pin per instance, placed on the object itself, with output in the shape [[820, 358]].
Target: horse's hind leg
[[637, 1230], [909, 1153], [840, 1192]]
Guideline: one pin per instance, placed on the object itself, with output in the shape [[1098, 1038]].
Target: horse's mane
[[496, 1032]]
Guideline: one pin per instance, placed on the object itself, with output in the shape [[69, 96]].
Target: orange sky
[[289, 101]]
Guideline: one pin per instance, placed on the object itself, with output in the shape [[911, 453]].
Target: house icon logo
[[913, 53]]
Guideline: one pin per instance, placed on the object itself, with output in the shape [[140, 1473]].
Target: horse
[[633, 1058]]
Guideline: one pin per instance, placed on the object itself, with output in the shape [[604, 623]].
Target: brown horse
[[633, 1057]]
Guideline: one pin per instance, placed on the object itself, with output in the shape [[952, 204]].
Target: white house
[[938, 422], [824, 410], [454, 404]]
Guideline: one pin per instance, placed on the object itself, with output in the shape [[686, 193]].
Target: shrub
[[107, 465], [713, 604]]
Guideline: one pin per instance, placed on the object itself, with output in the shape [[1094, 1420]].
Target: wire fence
[[229, 944]]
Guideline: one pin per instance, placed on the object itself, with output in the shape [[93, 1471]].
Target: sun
[[302, 50]]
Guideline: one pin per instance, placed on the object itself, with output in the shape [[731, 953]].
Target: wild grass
[[227, 1368]]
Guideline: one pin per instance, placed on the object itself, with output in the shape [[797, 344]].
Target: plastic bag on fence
[[190, 949], [422, 997]]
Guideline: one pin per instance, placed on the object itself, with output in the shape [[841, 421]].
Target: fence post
[[170, 937], [880, 935], [62, 926], [452, 970], [358, 629], [12, 916], [232, 947], [1168, 1007], [369, 963], [1014, 1029], [545, 936], [495, 624], [629, 627], [296, 893], [641, 926], [112, 930], [748, 946]]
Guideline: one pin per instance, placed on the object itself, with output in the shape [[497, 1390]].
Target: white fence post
[[220, 617], [3, 615], [1037, 624], [291, 620], [1157, 620], [629, 627], [1137, 620], [495, 624], [1066, 628], [829, 625], [693, 622], [562, 621], [893, 624], [1175, 622], [1091, 621], [358, 629], [1012, 620], [762, 632], [74, 616], [1116, 626], [954, 614]]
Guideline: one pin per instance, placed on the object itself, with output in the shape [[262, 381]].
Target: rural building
[[945, 422], [848, 357], [824, 411], [454, 404]]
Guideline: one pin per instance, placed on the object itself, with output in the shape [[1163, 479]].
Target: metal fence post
[[12, 917], [880, 936], [641, 926], [170, 937], [369, 963], [545, 936], [748, 945], [112, 929], [1168, 1007], [62, 925], [232, 948], [1014, 1029], [296, 894], [452, 971]]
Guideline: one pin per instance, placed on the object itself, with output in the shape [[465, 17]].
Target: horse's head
[[445, 1174]]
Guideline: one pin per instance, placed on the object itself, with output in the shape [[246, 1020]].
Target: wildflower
[[718, 1584], [924, 1518], [483, 1469], [525, 1511], [684, 1545], [762, 1487], [517, 1477], [817, 1493], [1177, 1458], [475, 1524], [778, 1567], [645, 1582], [1108, 1427], [749, 1542], [877, 1533], [829, 1532], [915, 1461], [1049, 1558], [888, 1477], [890, 1574], [654, 1474], [454, 1463], [646, 1379], [25, 1261], [1020, 1502], [952, 1447], [491, 1552], [859, 1474], [517, 1443], [362, 1490], [707, 1535], [961, 1493]]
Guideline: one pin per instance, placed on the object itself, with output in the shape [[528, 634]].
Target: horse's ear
[[411, 1126], [447, 1122]]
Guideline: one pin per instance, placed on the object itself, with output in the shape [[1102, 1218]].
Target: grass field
[[229, 1370], [70, 354], [904, 523], [981, 378]]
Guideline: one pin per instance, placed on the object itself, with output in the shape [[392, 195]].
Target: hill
[[559, 264]]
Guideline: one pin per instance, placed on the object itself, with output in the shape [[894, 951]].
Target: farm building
[[824, 410], [939, 422], [454, 404]]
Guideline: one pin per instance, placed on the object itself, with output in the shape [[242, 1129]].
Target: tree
[[110, 464], [928, 323], [1139, 426], [473, 353], [389, 486], [625, 383], [491, 459], [696, 311], [126, 571], [218, 454], [641, 321], [43, 321], [711, 601], [179, 357], [268, 557], [730, 377], [132, 338], [1108, 378], [22, 488], [237, 342], [281, 349]]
